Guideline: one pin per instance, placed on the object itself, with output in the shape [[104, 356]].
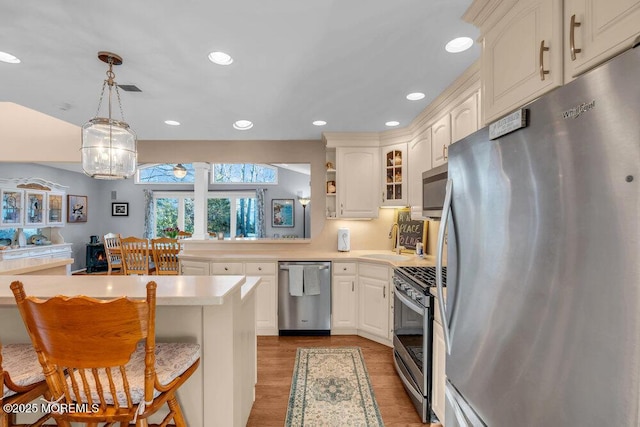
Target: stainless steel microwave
[[434, 184]]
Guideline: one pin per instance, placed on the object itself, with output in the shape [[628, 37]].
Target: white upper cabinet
[[440, 140], [522, 56], [419, 153], [35, 208], [12, 207], [536, 45], [394, 175], [32, 202], [596, 30], [357, 182], [464, 118], [56, 207]]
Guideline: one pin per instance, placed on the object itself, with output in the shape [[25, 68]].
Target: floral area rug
[[331, 387]]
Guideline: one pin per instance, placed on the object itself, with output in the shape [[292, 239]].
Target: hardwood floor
[[276, 357]]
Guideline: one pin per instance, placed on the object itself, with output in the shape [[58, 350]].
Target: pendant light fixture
[[179, 171], [108, 146]]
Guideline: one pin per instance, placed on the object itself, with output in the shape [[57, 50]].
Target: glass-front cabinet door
[[55, 208], [11, 207], [35, 208], [394, 172]]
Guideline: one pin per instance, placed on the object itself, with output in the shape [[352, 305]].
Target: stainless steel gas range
[[413, 332]]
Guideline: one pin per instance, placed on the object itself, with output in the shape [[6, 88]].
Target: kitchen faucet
[[397, 227]]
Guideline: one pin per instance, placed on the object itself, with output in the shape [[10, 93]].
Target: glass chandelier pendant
[[109, 147]]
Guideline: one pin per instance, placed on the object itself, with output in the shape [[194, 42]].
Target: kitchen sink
[[388, 257]]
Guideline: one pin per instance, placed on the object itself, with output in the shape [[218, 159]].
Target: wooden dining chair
[[112, 251], [136, 256], [165, 255], [22, 381], [183, 235], [100, 356]]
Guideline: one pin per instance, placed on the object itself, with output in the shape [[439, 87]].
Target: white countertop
[[171, 290], [28, 265], [307, 255]]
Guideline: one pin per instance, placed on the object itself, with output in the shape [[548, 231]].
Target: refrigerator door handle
[[446, 210]]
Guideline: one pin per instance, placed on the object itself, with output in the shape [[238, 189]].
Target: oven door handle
[[410, 303], [446, 212]]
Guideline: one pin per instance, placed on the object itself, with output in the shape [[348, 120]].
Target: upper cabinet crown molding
[[351, 139]]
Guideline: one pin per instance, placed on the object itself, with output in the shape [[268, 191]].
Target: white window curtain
[[149, 215], [261, 227]]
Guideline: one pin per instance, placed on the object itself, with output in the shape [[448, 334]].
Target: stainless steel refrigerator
[[543, 284]]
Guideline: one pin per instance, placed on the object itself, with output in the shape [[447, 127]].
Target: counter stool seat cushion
[[172, 360], [20, 361]]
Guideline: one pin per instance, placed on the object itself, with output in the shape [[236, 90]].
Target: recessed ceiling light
[[8, 58], [220, 58], [319, 123], [459, 44], [415, 96], [392, 123], [243, 125], [172, 123]]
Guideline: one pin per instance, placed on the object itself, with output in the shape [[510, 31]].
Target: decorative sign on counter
[[411, 231], [508, 124]]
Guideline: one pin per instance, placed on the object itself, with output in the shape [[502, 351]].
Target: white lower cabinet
[[194, 268], [374, 296], [344, 299], [438, 368], [266, 298]]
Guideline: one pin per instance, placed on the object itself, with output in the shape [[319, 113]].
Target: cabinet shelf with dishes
[[31, 203], [394, 160], [330, 185]]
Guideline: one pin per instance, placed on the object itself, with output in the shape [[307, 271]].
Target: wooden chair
[[165, 255], [22, 380], [101, 355], [114, 258], [183, 235], [135, 256]]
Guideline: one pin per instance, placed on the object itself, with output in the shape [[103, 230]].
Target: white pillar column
[[200, 189]]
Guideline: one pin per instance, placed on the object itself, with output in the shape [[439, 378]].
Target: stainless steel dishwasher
[[304, 308]]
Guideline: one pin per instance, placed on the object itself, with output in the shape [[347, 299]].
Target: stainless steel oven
[[413, 332]]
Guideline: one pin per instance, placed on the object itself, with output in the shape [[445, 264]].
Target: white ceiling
[[348, 62]]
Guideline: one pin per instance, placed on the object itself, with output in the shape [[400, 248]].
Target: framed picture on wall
[[77, 208], [282, 211], [119, 209]]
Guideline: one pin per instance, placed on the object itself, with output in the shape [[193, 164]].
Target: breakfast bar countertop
[[172, 290]]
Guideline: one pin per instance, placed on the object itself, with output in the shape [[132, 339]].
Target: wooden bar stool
[[22, 380], [116, 371]]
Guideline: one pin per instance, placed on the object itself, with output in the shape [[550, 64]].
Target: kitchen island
[[217, 312]]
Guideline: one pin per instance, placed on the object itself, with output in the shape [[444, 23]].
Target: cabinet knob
[[572, 37], [226, 269], [259, 268], [542, 50], [344, 268]]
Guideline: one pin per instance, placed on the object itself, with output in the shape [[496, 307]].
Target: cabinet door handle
[[444, 152], [384, 292], [383, 196], [572, 37], [542, 50], [353, 286]]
